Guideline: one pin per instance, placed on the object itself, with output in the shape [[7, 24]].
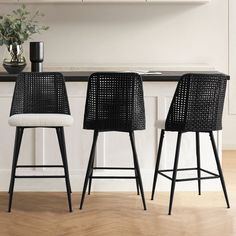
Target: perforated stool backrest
[[114, 102], [43, 92], [198, 103]]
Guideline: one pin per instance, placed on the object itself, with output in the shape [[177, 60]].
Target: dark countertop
[[82, 76]]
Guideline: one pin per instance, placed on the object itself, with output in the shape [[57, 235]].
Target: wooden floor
[[120, 214]]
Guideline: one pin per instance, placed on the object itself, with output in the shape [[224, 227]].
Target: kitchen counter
[[82, 76]]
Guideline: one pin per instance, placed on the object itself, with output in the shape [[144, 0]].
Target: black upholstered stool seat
[[114, 103], [197, 107]]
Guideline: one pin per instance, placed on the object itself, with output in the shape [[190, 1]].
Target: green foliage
[[17, 27]]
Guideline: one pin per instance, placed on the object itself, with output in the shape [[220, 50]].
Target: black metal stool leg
[[136, 164], [136, 175], [65, 162], [89, 168], [90, 176], [219, 168], [157, 162], [198, 162], [175, 171], [62, 144], [18, 139], [137, 184]]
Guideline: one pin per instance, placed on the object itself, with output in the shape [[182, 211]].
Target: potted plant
[[15, 29]]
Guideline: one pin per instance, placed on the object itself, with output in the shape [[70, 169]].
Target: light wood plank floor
[[120, 214]]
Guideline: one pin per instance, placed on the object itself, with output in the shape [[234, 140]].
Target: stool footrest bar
[[112, 177], [213, 175], [209, 172], [40, 176], [168, 177], [181, 169], [192, 179], [113, 168], [39, 166]]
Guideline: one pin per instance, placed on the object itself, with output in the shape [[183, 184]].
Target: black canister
[[36, 56]]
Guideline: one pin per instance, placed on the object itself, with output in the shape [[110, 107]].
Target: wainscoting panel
[[40, 146]]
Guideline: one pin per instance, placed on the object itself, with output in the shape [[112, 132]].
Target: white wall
[[230, 119], [137, 34]]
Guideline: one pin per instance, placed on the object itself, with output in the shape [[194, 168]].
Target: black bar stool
[[114, 103], [197, 106], [40, 100]]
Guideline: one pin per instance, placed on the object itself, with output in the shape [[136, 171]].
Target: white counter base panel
[[40, 146]]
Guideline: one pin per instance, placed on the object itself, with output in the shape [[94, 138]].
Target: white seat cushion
[[40, 120], [160, 124]]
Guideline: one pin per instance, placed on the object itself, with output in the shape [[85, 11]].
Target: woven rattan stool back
[[114, 102], [198, 103], [43, 92]]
